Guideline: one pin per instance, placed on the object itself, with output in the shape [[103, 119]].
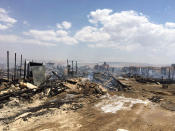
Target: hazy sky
[[89, 30]]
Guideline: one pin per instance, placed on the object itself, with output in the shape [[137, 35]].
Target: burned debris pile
[[39, 90], [84, 86], [151, 74], [50, 89], [154, 80], [54, 93], [26, 90], [109, 82]]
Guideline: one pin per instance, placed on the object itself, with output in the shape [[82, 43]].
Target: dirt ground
[[130, 110]]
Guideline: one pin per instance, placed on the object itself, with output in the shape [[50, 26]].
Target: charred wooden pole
[[25, 70], [8, 65], [72, 68], [15, 68], [21, 66]]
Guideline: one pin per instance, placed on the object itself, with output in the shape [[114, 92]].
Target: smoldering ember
[[50, 96]]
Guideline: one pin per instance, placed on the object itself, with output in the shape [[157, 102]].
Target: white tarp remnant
[[122, 130], [115, 103]]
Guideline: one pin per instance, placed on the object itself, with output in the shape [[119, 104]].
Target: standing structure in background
[[70, 70], [104, 67]]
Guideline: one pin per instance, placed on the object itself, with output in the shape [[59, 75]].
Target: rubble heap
[[51, 94], [109, 81], [85, 87]]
